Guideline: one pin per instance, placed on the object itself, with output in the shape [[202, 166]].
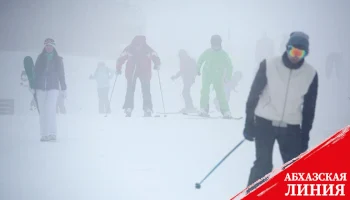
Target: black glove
[[249, 129]]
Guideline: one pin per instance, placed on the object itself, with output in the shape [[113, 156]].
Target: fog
[[99, 157]]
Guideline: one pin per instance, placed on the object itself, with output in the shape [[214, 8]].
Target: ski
[[197, 116], [168, 113], [179, 113], [28, 64]]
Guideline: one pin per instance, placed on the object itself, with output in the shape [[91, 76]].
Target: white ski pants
[[47, 101]]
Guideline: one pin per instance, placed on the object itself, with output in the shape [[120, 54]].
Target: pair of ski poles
[[160, 87]]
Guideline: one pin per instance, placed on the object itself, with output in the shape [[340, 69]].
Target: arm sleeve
[[178, 74], [259, 84], [155, 58], [202, 58], [309, 107], [110, 73], [124, 56], [62, 75]]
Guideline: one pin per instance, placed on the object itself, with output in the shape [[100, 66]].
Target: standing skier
[[25, 83], [49, 77], [139, 57], [217, 70], [229, 87], [264, 48], [335, 61], [281, 106], [188, 74], [102, 76]]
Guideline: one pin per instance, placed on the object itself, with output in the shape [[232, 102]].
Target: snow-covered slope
[[114, 157]]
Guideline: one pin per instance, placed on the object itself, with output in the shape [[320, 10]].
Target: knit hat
[[299, 40], [49, 41]]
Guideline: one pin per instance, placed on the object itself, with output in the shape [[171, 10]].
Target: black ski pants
[[146, 93], [267, 132]]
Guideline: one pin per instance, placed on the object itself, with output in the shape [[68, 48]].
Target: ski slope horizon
[[114, 157]]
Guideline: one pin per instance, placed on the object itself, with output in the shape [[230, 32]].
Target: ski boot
[[148, 113], [128, 112], [192, 110], [227, 115], [183, 111], [52, 138], [204, 113], [44, 139]]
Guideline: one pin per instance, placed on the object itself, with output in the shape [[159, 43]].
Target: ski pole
[[198, 185], [110, 98], [161, 93]]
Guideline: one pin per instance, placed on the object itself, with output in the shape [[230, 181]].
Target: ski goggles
[[295, 52]]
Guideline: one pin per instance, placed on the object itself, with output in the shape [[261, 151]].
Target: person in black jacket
[[49, 79], [188, 73], [281, 106]]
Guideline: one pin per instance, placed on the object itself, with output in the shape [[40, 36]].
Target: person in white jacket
[[49, 78], [102, 76]]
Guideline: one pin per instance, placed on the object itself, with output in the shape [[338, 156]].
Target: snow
[[114, 157]]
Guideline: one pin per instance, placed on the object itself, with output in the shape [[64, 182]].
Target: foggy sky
[[91, 28]]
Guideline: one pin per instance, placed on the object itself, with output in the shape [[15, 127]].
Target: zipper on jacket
[[286, 97], [46, 75]]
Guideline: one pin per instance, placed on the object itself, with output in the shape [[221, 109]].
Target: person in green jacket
[[217, 69]]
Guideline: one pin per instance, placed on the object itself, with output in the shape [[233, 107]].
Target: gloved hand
[[249, 130], [248, 136], [32, 91], [64, 94], [156, 67]]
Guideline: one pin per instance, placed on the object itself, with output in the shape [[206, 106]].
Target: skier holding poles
[[138, 57]]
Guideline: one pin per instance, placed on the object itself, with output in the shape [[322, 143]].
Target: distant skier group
[[138, 58], [46, 80]]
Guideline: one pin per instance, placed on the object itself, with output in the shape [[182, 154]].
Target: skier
[[264, 48], [25, 83], [229, 87], [217, 70], [188, 74], [335, 61], [139, 56], [49, 77], [102, 76], [281, 106]]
